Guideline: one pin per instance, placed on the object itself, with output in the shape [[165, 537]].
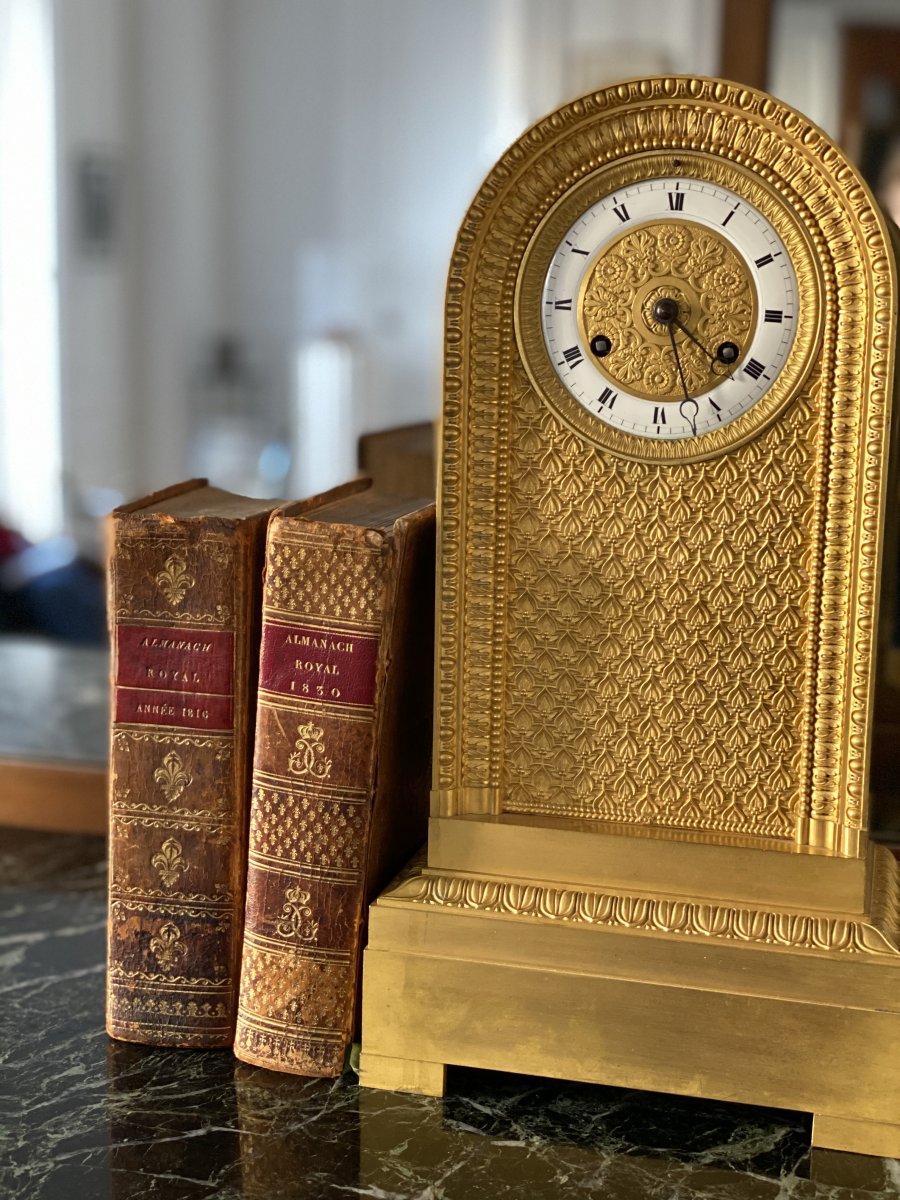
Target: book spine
[[183, 650], [321, 675]]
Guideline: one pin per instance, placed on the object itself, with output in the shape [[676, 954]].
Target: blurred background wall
[[225, 227], [225, 224], [255, 206]]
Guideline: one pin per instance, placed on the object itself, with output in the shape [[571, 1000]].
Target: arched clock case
[[670, 328]]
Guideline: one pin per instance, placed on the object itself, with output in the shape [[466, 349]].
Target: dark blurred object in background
[[870, 115], [402, 460], [50, 589]]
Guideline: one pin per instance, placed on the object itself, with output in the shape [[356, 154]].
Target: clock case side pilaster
[[869, 595]]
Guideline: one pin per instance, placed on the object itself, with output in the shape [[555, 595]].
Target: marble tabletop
[[84, 1118], [54, 703]]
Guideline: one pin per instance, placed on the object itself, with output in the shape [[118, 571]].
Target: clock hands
[[666, 312], [727, 353], [689, 409]]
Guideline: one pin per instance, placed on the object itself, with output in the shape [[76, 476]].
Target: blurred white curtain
[[30, 425]]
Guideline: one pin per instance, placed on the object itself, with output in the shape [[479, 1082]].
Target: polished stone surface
[[54, 703], [83, 1118]]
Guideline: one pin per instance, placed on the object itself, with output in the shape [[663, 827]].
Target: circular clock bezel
[[544, 244]]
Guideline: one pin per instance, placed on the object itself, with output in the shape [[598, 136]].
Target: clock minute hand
[[687, 333], [727, 353]]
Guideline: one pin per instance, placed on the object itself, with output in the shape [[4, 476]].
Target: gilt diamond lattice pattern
[[301, 829], [297, 584], [665, 684]]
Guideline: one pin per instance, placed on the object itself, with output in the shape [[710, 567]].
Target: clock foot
[[401, 1074], [856, 1136]]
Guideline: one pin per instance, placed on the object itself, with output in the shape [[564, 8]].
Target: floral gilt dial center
[[688, 265]]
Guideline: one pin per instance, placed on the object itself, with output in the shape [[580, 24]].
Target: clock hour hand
[[687, 333], [726, 353]]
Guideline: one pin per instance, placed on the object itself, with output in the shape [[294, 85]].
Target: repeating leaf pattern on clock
[[657, 646]]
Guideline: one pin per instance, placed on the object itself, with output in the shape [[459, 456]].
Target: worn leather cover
[[184, 594], [342, 763]]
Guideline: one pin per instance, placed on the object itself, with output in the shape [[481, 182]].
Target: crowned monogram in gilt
[[309, 757]]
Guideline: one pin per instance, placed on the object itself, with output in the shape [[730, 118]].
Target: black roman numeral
[[575, 249], [676, 201], [731, 214], [622, 212], [659, 415], [573, 356], [563, 305], [765, 260], [754, 369], [717, 408], [775, 315], [607, 397]]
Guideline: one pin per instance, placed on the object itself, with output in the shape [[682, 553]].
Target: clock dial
[[669, 308], [659, 307]]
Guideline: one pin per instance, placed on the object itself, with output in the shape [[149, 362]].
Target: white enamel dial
[[669, 308]]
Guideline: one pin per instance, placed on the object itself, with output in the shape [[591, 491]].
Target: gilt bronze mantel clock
[[671, 318]]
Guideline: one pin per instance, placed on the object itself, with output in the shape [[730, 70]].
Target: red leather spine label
[[174, 677], [326, 665], [144, 707]]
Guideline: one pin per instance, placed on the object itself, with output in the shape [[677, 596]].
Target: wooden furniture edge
[[53, 796]]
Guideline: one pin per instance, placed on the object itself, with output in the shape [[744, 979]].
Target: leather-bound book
[[185, 573], [342, 762]]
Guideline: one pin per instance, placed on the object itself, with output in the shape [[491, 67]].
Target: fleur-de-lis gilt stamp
[[174, 580], [168, 946], [172, 777], [169, 862], [296, 917], [309, 753]]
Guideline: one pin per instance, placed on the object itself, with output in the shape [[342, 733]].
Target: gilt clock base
[[515, 977]]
